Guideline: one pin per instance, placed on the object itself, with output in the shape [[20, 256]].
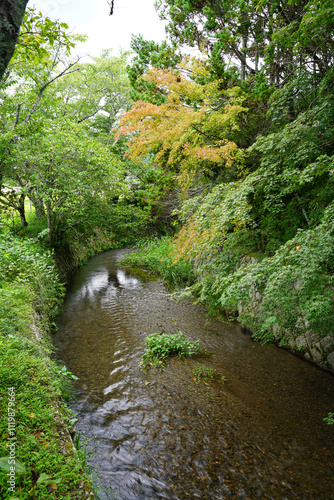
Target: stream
[[258, 433]]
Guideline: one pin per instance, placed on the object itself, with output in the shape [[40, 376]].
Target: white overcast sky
[[92, 18]]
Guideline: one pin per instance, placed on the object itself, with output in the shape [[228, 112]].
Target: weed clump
[[160, 346], [206, 374]]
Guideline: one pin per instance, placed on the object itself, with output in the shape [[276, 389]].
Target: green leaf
[[46, 479], [6, 464]]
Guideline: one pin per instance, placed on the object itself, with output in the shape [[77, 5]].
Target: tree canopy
[[55, 147]]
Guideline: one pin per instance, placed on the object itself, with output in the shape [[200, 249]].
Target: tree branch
[[17, 116], [90, 115], [46, 84]]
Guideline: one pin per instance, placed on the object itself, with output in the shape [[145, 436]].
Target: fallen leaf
[[52, 487]]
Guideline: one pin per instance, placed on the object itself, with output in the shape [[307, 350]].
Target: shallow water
[[162, 434]]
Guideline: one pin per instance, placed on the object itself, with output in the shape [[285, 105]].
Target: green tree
[[38, 62], [74, 177], [233, 33], [148, 55], [55, 115], [94, 95], [276, 37]]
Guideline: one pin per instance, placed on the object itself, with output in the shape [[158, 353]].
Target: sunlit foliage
[[194, 132]]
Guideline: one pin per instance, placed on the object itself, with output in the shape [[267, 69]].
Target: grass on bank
[[47, 467], [30, 294], [156, 255]]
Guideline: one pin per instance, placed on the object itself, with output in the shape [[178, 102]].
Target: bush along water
[[37, 455]]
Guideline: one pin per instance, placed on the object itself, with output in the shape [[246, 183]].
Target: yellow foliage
[[189, 133]]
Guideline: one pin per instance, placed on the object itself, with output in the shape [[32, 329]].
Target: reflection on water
[[163, 435], [126, 281]]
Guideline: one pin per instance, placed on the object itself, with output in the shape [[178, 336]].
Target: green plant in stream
[[329, 419], [204, 373], [68, 390], [63, 371], [160, 346], [81, 446]]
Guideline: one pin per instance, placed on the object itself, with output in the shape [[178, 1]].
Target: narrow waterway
[[258, 435]]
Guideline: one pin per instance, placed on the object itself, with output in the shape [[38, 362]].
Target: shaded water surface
[[161, 434]]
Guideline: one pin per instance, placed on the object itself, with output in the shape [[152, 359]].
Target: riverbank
[[251, 292], [34, 418]]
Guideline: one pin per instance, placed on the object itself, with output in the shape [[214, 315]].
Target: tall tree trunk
[[243, 61], [11, 15], [257, 58], [51, 224], [21, 210]]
